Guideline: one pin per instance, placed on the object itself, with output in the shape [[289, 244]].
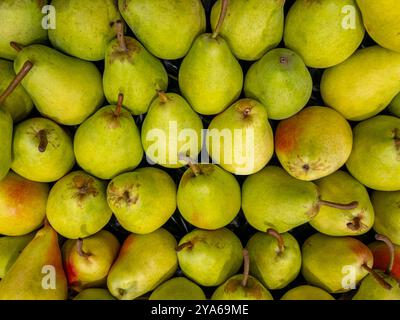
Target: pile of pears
[[307, 208]]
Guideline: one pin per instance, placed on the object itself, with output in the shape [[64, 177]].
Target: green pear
[[307, 293], [84, 28], [247, 142], [6, 129], [272, 199], [20, 21], [94, 294], [275, 259], [166, 28], [18, 103], [335, 264], [378, 140], [387, 214], [210, 77], [364, 84], [77, 205], [171, 128], [178, 289], [144, 262], [129, 69], [108, 143], [22, 205], [281, 81], [210, 257], [341, 187], [37, 274], [394, 106], [314, 143], [142, 200], [73, 89], [88, 261], [42, 150], [381, 19], [324, 33], [264, 17], [208, 196], [10, 249]]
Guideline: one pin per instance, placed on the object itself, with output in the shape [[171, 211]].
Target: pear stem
[[193, 166], [118, 109], [28, 65], [188, 244], [390, 246], [43, 141], [79, 244], [119, 26], [278, 237], [246, 267], [222, 15], [163, 97], [16, 46], [377, 277], [348, 206]]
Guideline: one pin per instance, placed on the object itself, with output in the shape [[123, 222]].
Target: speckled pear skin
[[178, 289], [307, 293], [6, 129]]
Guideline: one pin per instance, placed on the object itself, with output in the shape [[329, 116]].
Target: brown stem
[[377, 277], [222, 15], [279, 238], [341, 206], [43, 142], [119, 26], [246, 267], [79, 244], [28, 65], [16, 46], [163, 97], [184, 245], [390, 246], [193, 166], [118, 109]]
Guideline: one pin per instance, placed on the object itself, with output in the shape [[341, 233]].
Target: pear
[[272, 199], [281, 81], [210, 257], [10, 249], [242, 286], [42, 150], [166, 28], [20, 21], [394, 106], [387, 214], [22, 205], [142, 200], [383, 255], [6, 129], [18, 103], [314, 143], [324, 33], [129, 69], [178, 289], [208, 196], [210, 77], [341, 187], [88, 261], [247, 142], [77, 205], [94, 294], [307, 293], [364, 84], [144, 262], [264, 17], [176, 128], [65, 97], [108, 143], [84, 28], [38, 273], [378, 140], [275, 259], [335, 264], [381, 19]]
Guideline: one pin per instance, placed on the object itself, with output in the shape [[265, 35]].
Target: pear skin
[[314, 143], [364, 84], [22, 205], [382, 257], [42, 150], [144, 262], [371, 289], [6, 129], [178, 289], [247, 142], [378, 140], [394, 107], [94, 294], [38, 273], [307, 293]]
